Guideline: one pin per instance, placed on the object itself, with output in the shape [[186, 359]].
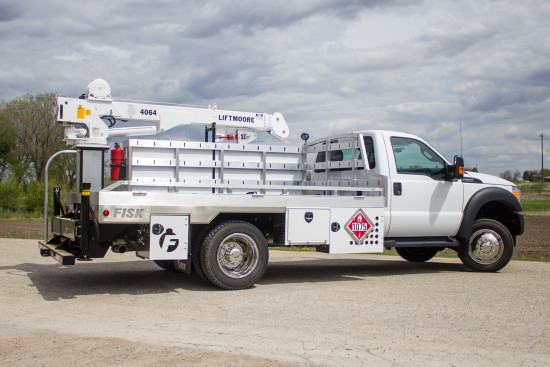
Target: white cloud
[[328, 66]]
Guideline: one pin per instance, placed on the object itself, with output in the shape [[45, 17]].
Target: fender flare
[[481, 198]]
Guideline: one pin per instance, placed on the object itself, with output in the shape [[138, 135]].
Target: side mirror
[[458, 167], [455, 171]]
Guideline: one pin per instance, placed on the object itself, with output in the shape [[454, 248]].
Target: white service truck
[[215, 207]]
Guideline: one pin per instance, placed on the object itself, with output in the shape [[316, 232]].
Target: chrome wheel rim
[[237, 255], [486, 246]]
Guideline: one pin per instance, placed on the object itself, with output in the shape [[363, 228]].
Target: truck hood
[[487, 179]]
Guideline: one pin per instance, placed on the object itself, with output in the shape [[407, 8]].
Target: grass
[[22, 237], [539, 259], [535, 205], [18, 215], [522, 258], [537, 214]]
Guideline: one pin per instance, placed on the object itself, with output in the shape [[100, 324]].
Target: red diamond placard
[[359, 226]]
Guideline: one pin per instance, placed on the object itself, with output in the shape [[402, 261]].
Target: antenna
[[461, 137]]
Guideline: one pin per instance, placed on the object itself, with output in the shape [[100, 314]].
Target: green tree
[[34, 197], [32, 133], [11, 193], [7, 143]]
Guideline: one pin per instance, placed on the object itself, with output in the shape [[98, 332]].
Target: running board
[[426, 242]]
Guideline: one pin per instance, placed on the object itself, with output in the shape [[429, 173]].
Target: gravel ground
[[310, 309]]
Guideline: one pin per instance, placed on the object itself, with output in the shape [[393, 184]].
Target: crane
[[90, 119]]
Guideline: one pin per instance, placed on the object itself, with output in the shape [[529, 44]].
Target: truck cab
[[423, 199], [430, 203]]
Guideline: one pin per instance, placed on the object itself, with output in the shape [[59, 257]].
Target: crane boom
[[84, 118]]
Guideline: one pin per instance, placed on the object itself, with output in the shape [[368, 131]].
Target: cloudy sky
[[330, 66]]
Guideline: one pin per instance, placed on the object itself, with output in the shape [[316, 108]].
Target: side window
[[337, 156], [369, 149], [415, 157]]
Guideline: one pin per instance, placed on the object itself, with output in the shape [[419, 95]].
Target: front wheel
[[234, 255], [416, 254], [489, 248]]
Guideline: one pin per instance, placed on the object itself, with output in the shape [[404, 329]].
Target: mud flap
[[183, 266]]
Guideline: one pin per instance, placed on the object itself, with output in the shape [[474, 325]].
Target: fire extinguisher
[[117, 162]]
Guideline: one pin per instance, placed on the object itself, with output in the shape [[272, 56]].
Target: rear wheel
[[196, 253], [234, 255], [416, 254], [489, 248]]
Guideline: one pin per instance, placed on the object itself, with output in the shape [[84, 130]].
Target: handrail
[[46, 189], [352, 185]]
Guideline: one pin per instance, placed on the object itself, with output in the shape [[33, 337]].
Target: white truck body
[[205, 180]]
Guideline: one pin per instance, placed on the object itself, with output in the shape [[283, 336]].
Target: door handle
[[397, 188]]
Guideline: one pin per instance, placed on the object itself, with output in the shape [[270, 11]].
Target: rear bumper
[[51, 248]]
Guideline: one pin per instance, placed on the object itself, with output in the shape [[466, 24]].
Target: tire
[[196, 253], [489, 248], [416, 254], [234, 255], [166, 264]]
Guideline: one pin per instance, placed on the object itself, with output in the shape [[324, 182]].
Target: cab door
[[422, 202]]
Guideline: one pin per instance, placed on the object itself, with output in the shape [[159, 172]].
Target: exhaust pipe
[[119, 249]]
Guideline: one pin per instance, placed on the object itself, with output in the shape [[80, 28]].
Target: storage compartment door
[[307, 226], [357, 230], [169, 237]]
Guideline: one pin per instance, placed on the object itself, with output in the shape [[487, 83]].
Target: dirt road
[[309, 309]]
